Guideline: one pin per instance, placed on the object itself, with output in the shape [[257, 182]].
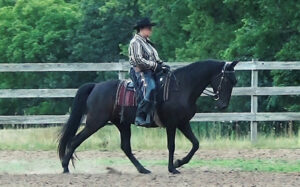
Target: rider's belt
[[137, 69]]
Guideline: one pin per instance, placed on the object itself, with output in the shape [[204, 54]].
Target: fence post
[[254, 84], [122, 73]]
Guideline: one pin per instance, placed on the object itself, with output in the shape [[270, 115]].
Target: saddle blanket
[[125, 94]]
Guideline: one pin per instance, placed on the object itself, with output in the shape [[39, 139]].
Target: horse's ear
[[232, 64]]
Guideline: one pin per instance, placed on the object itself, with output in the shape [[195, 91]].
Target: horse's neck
[[197, 79], [199, 85]]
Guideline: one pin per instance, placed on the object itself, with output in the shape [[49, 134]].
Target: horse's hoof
[[144, 171], [66, 171], [177, 163], [174, 171]]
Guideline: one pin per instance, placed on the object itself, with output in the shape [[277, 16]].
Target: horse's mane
[[199, 64], [200, 67]]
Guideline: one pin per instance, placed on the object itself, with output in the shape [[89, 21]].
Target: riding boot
[[144, 108]]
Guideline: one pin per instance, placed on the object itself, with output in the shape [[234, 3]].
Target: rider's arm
[[160, 61], [137, 56]]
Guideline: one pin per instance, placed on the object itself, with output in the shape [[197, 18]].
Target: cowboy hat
[[145, 22]]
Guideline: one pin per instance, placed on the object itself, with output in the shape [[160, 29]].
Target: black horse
[[97, 100]]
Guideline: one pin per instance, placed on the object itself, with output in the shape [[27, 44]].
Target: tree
[[105, 25], [35, 31]]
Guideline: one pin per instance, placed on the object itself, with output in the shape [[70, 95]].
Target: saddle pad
[[125, 96]]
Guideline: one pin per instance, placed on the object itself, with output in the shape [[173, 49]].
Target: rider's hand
[[166, 67], [158, 68]]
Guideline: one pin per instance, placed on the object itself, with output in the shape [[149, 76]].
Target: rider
[[146, 63]]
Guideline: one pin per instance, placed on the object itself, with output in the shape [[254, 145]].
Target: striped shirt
[[142, 54]]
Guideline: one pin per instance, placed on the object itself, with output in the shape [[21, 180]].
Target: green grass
[[146, 139], [98, 165], [266, 165]]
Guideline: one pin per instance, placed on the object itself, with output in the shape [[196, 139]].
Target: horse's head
[[223, 83]]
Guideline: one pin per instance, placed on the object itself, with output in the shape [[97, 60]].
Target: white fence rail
[[199, 117], [122, 67], [65, 93]]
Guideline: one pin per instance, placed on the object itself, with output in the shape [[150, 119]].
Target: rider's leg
[[150, 86], [146, 105]]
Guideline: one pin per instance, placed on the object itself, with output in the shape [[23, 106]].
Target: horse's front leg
[[171, 131], [188, 133], [126, 147]]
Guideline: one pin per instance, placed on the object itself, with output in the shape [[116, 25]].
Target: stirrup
[[142, 122]]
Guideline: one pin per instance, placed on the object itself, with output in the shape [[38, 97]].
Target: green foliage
[[210, 26], [4, 3], [37, 31], [104, 26], [170, 16], [268, 29]]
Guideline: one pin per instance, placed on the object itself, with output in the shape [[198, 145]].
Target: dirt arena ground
[[41, 168]]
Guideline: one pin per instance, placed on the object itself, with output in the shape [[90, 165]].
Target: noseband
[[216, 94]]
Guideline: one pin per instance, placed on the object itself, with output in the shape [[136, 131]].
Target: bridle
[[216, 94]]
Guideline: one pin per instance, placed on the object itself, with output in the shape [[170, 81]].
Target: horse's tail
[[78, 109]]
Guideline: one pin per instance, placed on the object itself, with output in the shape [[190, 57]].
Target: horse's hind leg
[[92, 125], [188, 133], [125, 133]]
